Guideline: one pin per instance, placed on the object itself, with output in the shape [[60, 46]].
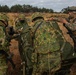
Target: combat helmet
[[21, 17], [4, 19], [71, 9], [36, 16]]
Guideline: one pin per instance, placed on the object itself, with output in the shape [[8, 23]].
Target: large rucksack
[[47, 51]]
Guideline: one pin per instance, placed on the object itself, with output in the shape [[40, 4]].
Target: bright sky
[[56, 5]]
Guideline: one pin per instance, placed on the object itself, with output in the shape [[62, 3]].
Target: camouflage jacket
[[71, 24], [4, 37], [24, 30]]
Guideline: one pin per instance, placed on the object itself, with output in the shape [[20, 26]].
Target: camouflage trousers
[[26, 56], [3, 66]]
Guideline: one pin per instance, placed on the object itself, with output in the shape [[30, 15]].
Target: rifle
[[72, 35], [8, 57]]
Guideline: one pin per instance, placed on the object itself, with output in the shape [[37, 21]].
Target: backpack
[[47, 54]]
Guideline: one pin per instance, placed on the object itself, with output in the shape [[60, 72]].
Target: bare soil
[[16, 59]]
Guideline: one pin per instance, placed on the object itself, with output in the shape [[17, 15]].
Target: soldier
[[70, 24], [70, 21], [4, 44], [72, 15], [25, 42], [46, 46]]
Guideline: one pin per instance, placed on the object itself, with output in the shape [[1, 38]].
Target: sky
[[56, 5]]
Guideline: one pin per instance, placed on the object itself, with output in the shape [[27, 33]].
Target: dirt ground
[[16, 59]]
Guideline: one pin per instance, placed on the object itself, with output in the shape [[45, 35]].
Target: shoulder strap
[[4, 22], [35, 32], [36, 29], [3, 28]]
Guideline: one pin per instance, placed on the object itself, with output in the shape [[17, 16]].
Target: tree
[[23, 8], [16, 8], [4, 8]]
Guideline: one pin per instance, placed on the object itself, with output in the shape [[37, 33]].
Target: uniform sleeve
[[72, 26], [56, 19]]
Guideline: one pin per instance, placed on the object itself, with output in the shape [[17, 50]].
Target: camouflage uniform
[[71, 19], [25, 42], [46, 57], [3, 45]]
